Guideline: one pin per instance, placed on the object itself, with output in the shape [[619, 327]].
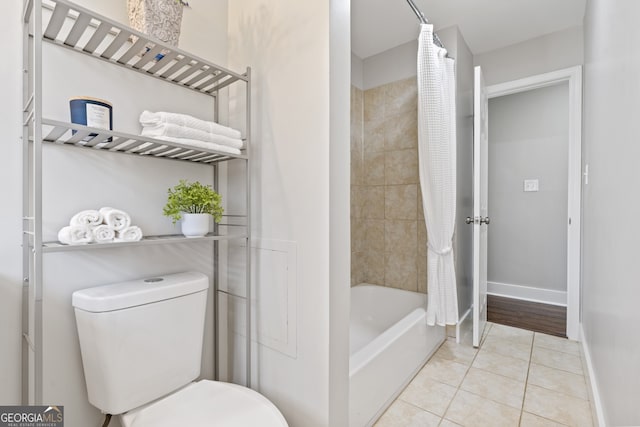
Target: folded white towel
[[177, 131], [195, 144], [103, 234], [129, 234], [75, 235], [86, 218], [147, 118], [117, 219]]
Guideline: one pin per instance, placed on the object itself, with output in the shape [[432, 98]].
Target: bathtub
[[389, 343]]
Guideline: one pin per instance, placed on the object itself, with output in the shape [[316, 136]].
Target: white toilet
[[141, 344]]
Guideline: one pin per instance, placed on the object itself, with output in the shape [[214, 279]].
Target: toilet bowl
[[141, 345], [207, 403]]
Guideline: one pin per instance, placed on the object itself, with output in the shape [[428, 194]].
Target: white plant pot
[[195, 225]]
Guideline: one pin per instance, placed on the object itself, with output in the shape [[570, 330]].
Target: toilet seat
[[207, 403]]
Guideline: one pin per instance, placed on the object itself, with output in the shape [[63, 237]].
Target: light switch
[[530, 185]]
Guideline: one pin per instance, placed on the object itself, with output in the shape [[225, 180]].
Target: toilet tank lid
[[139, 292]]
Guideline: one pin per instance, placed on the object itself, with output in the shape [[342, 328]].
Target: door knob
[[469, 220], [485, 220]]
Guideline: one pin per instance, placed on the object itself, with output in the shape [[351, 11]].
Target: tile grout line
[[526, 381]]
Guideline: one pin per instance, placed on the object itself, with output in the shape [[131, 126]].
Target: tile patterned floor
[[516, 378]]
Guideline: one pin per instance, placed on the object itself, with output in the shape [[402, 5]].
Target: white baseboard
[[527, 293], [596, 401]]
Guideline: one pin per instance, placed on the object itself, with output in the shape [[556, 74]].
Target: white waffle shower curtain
[[437, 165]]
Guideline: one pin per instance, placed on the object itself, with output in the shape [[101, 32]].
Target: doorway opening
[[534, 200]]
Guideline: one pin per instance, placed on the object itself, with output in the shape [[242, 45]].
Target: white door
[[480, 218]]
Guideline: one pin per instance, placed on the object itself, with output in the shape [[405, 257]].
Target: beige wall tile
[[400, 202], [357, 235], [373, 235], [401, 167], [401, 131], [357, 268], [373, 135], [401, 96], [373, 168], [422, 238], [422, 274], [420, 207], [558, 407], [374, 103], [356, 201], [374, 272], [357, 171], [400, 237], [467, 409], [401, 271], [373, 202]]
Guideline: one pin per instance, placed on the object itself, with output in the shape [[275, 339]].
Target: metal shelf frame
[[103, 39]]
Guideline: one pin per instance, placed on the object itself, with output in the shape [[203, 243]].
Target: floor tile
[[513, 347], [516, 335], [530, 420], [556, 359], [558, 380], [428, 394], [401, 414], [558, 407], [447, 423], [503, 365], [460, 353], [467, 409], [494, 387], [445, 371], [556, 343]]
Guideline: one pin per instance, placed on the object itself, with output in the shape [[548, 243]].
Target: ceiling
[[379, 25]]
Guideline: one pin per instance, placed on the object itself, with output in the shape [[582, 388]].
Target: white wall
[[287, 43], [528, 139], [77, 179], [11, 207], [542, 54], [610, 314], [357, 71], [391, 65]]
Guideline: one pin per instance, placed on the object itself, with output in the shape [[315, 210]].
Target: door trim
[[573, 76]]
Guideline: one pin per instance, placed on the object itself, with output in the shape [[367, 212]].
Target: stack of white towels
[[187, 130], [105, 225]]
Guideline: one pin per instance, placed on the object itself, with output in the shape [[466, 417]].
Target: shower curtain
[[437, 167]]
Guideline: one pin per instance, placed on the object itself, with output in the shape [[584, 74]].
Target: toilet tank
[[142, 339]]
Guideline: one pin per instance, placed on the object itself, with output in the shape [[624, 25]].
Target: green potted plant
[[193, 203]]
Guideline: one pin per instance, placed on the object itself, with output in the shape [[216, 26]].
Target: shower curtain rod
[[423, 20]]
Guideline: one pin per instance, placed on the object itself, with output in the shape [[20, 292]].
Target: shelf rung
[[97, 37], [166, 60], [78, 29], [134, 50], [29, 103], [57, 20], [148, 56], [115, 45]]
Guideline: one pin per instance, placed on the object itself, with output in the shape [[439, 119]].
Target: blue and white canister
[[91, 112]]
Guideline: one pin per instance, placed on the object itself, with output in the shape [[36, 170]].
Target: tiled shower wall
[[388, 233]]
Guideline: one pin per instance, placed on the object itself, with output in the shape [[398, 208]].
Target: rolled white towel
[[148, 118], [117, 219], [129, 234], [177, 131], [89, 218], [103, 233], [205, 145], [75, 235]]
